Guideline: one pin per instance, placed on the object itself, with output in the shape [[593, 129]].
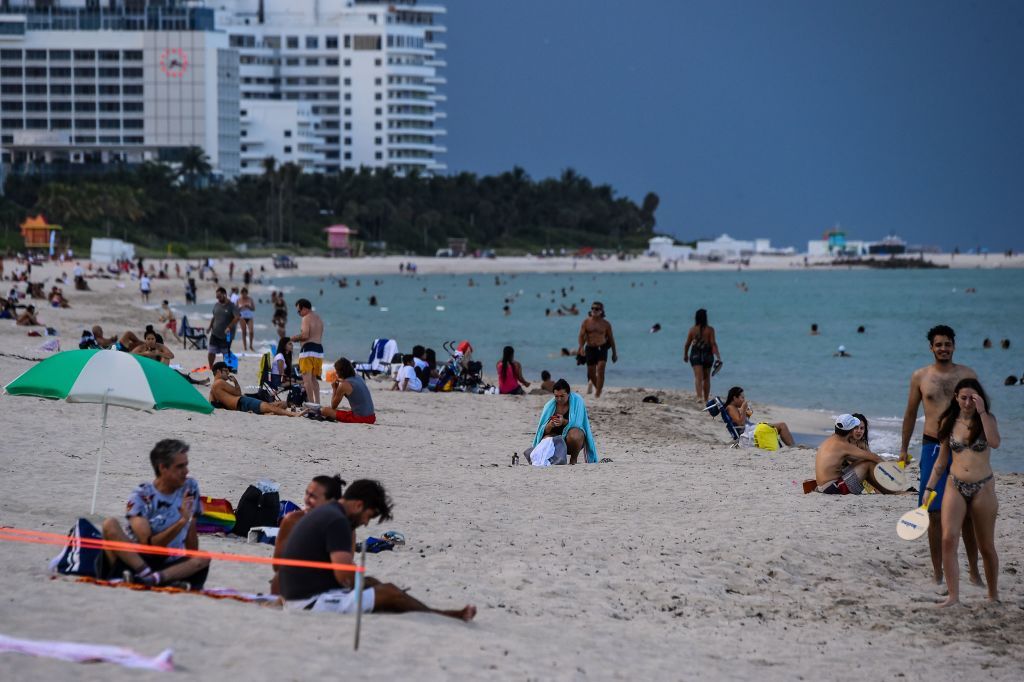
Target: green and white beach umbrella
[[109, 378]]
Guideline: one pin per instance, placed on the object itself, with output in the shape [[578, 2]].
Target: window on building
[[132, 106], [292, 42], [60, 72], [10, 54], [348, 97], [377, 111], [85, 106], [376, 81], [377, 96], [287, 133], [11, 71], [85, 123], [34, 105], [348, 156], [245, 164], [132, 55], [12, 123], [312, 42], [110, 106], [348, 141], [377, 126], [109, 124], [348, 44], [134, 124], [366, 42], [60, 55], [85, 139], [84, 55], [347, 81], [291, 61], [133, 89], [134, 140], [331, 61], [110, 72], [332, 42], [60, 105], [35, 72], [348, 126], [60, 89], [378, 155], [110, 89], [110, 139], [132, 72], [10, 89], [348, 62], [376, 62], [109, 55], [312, 61], [245, 148], [287, 150], [9, 105], [38, 55], [244, 133], [85, 72], [60, 123], [36, 123]]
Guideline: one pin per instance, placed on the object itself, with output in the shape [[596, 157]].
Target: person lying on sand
[[740, 411], [839, 465], [101, 340], [566, 415], [327, 534], [226, 394], [163, 514], [321, 490], [152, 349]]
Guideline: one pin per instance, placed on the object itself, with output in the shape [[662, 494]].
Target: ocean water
[[763, 332]]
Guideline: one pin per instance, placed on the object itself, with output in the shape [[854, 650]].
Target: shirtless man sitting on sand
[[226, 394], [839, 465]]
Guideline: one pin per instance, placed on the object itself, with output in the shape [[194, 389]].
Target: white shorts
[[334, 601]]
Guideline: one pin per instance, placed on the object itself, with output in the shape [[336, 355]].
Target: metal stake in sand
[[359, 595], [99, 455]]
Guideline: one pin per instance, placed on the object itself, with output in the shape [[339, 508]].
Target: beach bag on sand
[[218, 516], [766, 437], [76, 559], [256, 508]]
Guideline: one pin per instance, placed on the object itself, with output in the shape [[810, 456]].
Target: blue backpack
[[76, 559]]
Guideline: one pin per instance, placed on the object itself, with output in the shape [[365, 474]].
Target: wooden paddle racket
[[890, 477], [914, 524]]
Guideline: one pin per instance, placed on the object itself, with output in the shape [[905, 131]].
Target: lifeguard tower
[[39, 234], [338, 239]]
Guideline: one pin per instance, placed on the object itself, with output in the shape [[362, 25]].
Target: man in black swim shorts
[[596, 338]]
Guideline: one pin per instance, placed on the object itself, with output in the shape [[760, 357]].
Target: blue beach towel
[[578, 419]]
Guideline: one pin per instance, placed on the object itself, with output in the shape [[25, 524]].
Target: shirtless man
[[149, 348], [28, 318], [933, 385], [311, 353], [103, 341], [227, 394], [169, 319], [595, 339], [840, 466]]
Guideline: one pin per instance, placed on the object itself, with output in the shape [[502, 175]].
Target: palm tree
[[270, 175], [195, 165]]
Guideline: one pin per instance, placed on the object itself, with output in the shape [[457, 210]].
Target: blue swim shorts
[[930, 453], [247, 404]]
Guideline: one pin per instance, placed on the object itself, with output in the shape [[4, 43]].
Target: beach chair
[[716, 408], [382, 353], [192, 336]]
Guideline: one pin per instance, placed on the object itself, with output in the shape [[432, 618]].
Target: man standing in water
[[933, 385], [594, 341], [311, 353]]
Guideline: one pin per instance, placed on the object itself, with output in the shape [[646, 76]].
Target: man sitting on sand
[[327, 534], [351, 386], [163, 514], [839, 465], [152, 349], [321, 490], [566, 415], [28, 318], [407, 380], [226, 394]]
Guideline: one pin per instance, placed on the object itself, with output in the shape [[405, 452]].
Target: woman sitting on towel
[[740, 412], [566, 415], [321, 489]]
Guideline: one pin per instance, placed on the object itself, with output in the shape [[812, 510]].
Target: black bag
[[296, 395], [256, 508], [75, 559]]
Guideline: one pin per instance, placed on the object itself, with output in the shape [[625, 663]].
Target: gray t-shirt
[[359, 399], [320, 532], [223, 313], [163, 511]]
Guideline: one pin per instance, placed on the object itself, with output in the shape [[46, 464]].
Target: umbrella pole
[[359, 596], [99, 456]]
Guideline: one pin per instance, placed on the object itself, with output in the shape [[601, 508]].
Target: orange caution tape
[[44, 538]]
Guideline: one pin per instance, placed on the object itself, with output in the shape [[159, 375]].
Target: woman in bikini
[[246, 311], [701, 351], [967, 434], [859, 437], [740, 412]]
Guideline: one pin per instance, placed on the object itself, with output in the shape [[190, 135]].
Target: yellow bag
[[766, 437]]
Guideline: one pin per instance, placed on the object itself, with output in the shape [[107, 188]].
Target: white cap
[[847, 422], [842, 349]]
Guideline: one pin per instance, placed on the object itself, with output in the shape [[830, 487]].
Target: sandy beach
[[682, 558]]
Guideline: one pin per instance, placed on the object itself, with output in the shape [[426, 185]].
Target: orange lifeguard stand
[[36, 232]]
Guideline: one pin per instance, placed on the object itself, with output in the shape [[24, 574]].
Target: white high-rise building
[[88, 82], [367, 70]]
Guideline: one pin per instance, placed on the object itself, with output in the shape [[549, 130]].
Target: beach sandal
[[716, 367]]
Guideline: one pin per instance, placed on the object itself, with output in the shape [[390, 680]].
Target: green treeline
[[156, 206]]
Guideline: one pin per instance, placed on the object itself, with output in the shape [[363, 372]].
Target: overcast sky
[[763, 118]]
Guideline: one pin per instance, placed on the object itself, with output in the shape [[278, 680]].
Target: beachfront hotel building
[[88, 82], [368, 72], [324, 84]]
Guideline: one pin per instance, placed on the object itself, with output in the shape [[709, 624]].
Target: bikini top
[[976, 446]]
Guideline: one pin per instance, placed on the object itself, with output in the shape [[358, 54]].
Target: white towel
[[87, 653]]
